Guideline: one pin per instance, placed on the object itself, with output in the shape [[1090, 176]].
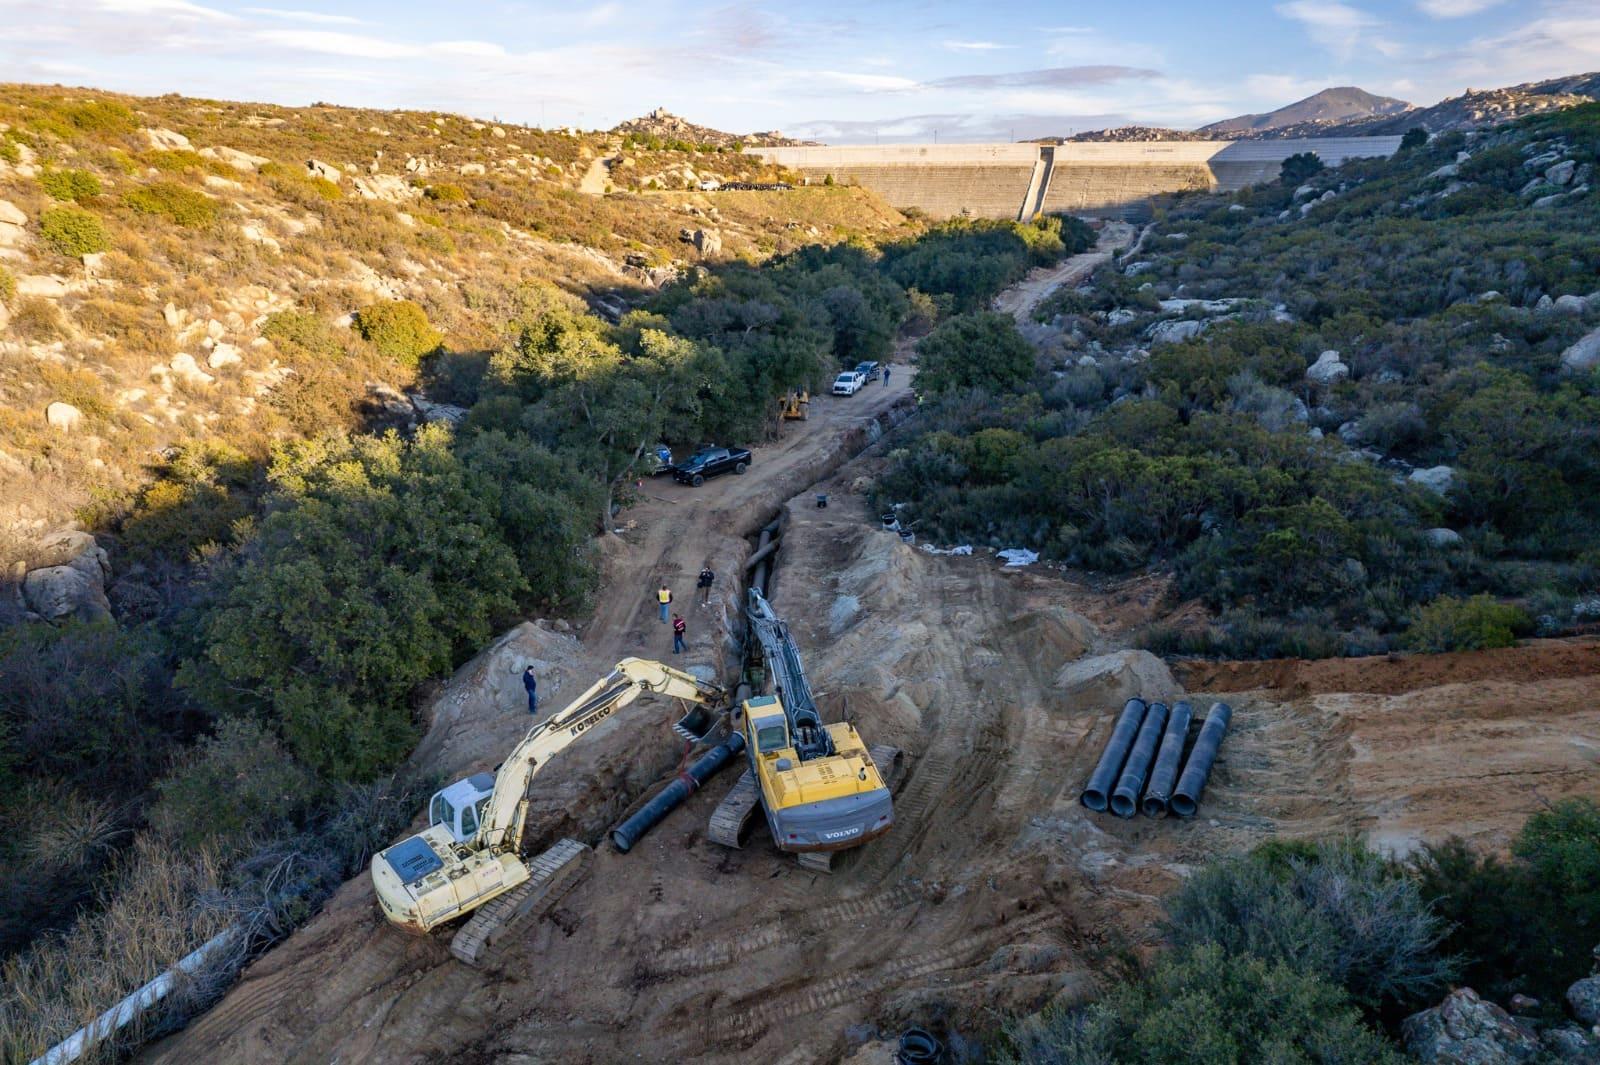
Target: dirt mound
[[1535, 660]]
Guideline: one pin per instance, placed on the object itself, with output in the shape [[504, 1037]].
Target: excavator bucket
[[700, 724]]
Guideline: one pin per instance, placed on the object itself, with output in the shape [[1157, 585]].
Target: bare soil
[[995, 892]]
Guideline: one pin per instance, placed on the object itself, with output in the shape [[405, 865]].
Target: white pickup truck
[[848, 383]]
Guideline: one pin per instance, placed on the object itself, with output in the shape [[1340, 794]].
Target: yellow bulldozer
[[795, 406]]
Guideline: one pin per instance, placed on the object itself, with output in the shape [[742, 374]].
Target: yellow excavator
[[469, 858], [820, 786], [795, 405]]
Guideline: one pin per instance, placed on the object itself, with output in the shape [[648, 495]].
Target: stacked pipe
[[1143, 755]]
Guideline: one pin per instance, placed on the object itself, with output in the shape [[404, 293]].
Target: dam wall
[[1021, 180]]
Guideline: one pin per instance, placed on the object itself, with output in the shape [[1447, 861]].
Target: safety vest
[[664, 595]]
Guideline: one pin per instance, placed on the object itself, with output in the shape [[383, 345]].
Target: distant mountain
[[1327, 108], [1473, 109], [666, 126]]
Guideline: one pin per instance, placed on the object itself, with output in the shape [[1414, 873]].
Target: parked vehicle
[[869, 370], [848, 383], [710, 461], [658, 460]]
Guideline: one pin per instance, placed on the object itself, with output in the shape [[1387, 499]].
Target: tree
[[1415, 137], [981, 350], [1300, 168]]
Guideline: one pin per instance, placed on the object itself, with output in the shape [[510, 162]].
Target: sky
[[842, 72]]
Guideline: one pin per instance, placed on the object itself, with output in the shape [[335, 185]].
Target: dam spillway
[[1107, 179]]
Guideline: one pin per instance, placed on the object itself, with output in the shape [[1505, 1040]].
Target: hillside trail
[[593, 182], [1020, 299]]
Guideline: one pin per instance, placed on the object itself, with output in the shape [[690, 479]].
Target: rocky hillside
[[176, 269], [663, 126], [1129, 133], [1328, 107]]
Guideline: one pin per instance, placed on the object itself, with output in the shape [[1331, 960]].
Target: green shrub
[[72, 231], [232, 787], [444, 192], [1451, 624], [1201, 1006], [1333, 909], [100, 116], [399, 329], [176, 203], [69, 184], [8, 285], [1526, 924], [1415, 137], [9, 151], [1299, 168], [308, 336], [981, 350]]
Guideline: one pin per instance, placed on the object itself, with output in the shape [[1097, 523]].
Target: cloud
[[1454, 8], [974, 46], [1048, 78], [1337, 27], [330, 42], [158, 8], [870, 82], [304, 16]]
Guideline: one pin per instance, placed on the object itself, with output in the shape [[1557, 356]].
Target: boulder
[[1175, 332], [326, 171], [184, 366], [1584, 999], [1434, 478], [166, 140], [1570, 304], [1327, 369], [49, 286], [1449, 170], [386, 187], [472, 168], [1121, 316], [1111, 680], [1443, 537], [242, 161], [224, 355], [1549, 201], [1465, 1030], [390, 400], [12, 221], [1561, 173], [70, 580], [429, 411], [1570, 1043], [1583, 355], [63, 416]]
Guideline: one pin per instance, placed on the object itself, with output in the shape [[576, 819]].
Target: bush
[[444, 192], [982, 350], [1450, 624], [231, 787], [1528, 924], [8, 285], [1300, 168], [1201, 1006], [69, 184], [176, 203], [1333, 909], [72, 231], [399, 329], [303, 335]]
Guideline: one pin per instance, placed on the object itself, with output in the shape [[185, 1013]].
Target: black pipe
[[760, 554], [1125, 800], [1186, 799], [669, 798], [1096, 792], [1165, 772]]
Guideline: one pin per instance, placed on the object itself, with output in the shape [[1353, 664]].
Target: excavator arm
[[505, 816]]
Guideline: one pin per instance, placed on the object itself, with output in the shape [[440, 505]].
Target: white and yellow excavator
[[469, 859]]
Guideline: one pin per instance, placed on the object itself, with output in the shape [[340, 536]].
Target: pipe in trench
[[1165, 771], [1186, 799], [1125, 800], [1098, 790], [669, 798]]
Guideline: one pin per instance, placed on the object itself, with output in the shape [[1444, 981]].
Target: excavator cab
[[460, 806]]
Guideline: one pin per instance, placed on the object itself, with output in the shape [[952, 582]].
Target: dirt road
[[1020, 299]]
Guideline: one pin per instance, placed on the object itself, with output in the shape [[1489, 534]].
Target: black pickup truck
[[710, 461]]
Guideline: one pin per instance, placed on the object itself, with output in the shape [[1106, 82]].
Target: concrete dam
[[1023, 180]]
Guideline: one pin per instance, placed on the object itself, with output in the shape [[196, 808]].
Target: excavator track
[[732, 815], [552, 875]]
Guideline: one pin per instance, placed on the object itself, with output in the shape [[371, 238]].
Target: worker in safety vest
[[664, 598]]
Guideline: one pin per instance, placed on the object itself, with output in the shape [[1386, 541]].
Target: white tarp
[[964, 549], [1017, 556]]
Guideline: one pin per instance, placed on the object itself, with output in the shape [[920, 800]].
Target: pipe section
[[1125, 800], [1165, 772], [1186, 799], [669, 798], [1098, 790]]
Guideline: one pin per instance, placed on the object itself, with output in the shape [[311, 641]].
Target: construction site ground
[[994, 893]]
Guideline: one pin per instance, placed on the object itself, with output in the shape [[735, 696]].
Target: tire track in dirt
[[740, 1024]]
